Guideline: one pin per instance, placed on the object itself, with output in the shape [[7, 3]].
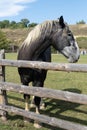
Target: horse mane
[[37, 36], [40, 32]]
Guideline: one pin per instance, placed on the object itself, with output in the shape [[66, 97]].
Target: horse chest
[[30, 75]]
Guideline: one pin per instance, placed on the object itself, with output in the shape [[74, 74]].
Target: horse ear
[[61, 22]]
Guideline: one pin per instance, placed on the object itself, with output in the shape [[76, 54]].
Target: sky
[[38, 11]]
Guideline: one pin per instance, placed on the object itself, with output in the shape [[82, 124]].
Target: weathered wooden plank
[[73, 67], [45, 92], [45, 119], [2, 112]]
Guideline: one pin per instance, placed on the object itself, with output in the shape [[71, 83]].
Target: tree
[[13, 24], [81, 22], [25, 22], [1, 24], [20, 25], [6, 23], [32, 24], [4, 43]]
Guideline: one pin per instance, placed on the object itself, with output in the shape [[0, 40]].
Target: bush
[[4, 42]]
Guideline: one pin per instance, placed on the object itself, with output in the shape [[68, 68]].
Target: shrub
[[4, 42]]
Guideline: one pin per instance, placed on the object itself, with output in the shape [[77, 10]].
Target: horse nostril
[[77, 59]]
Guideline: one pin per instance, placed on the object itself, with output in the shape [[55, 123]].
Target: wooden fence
[[42, 92], [3, 96]]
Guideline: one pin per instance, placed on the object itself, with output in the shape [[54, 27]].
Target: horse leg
[[32, 104], [37, 101], [25, 81], [27, 108], [26, 98], [42, 104]]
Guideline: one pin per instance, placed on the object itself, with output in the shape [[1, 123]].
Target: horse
[[37, 47]]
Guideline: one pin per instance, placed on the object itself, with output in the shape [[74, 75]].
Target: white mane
[[36, 38], [38, 33]]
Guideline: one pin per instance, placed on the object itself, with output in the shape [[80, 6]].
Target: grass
[[73, 81]]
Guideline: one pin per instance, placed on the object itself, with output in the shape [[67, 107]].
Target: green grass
[[73, 81]]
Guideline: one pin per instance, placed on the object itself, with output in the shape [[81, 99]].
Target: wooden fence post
[[3, 95]]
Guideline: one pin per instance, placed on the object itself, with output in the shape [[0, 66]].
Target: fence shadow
[[57, 108]]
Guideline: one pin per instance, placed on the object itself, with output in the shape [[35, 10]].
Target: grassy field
[[73, 82]]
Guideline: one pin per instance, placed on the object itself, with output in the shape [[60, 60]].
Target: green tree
[[4, 43], [1, 25], [81, 22], [20, 25], [25, 22], [13, 24], [32, 24], [5, 23]]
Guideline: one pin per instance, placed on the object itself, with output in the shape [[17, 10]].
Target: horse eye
[[69, 44], [69, 34]]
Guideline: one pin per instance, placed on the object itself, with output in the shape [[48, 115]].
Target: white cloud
[[13, 7]]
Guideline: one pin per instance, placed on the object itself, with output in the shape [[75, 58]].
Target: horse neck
[[37, 41]]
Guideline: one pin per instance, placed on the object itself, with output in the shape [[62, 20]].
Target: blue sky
[[40, 10]]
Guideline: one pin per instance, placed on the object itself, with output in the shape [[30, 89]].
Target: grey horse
[[36, 47]]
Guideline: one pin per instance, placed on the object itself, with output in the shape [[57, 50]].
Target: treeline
[[24, 23]]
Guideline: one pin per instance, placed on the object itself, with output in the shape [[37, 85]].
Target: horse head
[[64, 41]]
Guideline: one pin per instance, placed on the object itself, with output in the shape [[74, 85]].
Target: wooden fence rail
[[45, 92], [45, 119], [70, 67]]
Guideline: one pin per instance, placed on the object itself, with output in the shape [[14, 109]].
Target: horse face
[[70, 48], [66, 43]]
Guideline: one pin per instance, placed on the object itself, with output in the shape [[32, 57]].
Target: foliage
[[13, 24], [32, 25], [4, 24], [81, 22], [82, 42], [23, 23], [4, 42]]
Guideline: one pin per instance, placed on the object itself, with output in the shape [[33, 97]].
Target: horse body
[[36, 47]]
